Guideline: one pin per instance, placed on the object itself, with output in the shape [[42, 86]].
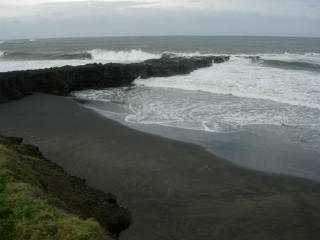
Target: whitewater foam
[[30, 61], [203, 111], [236, 95], [311, 58], [240, 77], [26, 60], [134, 55]]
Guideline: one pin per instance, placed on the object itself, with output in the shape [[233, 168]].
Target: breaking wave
[[225, 97], [308, 62], [243, 77], [95, 55], [134, 55], [20, 60], [292, 65], [7, 55]]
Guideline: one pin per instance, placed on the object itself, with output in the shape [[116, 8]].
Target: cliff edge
[[40, 201]]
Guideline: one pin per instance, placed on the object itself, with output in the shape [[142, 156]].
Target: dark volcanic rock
[[63, 80]]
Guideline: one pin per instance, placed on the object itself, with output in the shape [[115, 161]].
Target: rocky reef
[[63, 80], [39, 200]]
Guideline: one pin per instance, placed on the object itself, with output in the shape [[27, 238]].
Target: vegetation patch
[[34, 203]]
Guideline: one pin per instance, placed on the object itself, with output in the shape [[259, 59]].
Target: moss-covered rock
[[39, 201]]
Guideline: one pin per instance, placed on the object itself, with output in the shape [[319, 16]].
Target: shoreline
[[173, 189], [75, 138], [254, 147]]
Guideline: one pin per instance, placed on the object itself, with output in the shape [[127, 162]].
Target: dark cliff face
[[63, 80]]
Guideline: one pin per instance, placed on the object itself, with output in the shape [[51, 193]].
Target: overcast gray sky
[[65, 18]]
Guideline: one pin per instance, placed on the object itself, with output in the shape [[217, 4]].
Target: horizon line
[[160, 35]]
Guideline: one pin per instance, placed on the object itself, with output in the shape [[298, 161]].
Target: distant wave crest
[[292, 65], [12, 55], [308, 61], [97, 55], [134, 55]]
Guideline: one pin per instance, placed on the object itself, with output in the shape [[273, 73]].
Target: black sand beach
[[265, 148], [175, 190], [254, 147]]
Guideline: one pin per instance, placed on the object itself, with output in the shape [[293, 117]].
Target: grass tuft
[[26, 212]]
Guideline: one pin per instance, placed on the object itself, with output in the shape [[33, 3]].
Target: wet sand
[[252, 148], [175, 190], [266, 148]]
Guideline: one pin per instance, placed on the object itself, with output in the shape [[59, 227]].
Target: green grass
[[26, 211]]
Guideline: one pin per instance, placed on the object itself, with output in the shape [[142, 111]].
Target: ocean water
[[270, 82]]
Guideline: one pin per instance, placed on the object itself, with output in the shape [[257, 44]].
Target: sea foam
[[134, 55], [24, 61], [240, 77]]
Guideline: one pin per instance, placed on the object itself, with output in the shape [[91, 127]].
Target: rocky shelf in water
[[63, 80]]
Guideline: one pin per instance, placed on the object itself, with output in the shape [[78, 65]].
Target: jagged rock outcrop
[[63, 80]]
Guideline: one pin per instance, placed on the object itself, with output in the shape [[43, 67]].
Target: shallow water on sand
[[269, 92]]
